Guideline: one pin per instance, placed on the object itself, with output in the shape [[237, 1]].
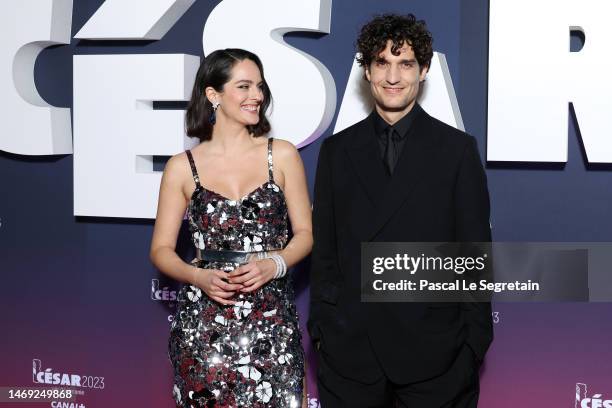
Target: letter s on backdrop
[[302, 87]]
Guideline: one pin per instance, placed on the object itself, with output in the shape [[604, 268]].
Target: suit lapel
[[364, 155], [411, 166]]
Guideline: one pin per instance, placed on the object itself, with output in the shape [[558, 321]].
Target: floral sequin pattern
[[256, 222], [248, 354]]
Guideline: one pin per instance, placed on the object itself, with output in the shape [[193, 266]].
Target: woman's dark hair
[[215, 71], [399, 29]]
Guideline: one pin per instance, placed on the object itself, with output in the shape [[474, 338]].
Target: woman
[[235, 339]]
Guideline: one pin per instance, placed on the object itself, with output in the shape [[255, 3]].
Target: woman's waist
[[231, 256]]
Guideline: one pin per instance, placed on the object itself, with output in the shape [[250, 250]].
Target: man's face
[[395, 79]]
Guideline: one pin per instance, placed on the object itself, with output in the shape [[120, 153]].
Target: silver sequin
[[248, 354]]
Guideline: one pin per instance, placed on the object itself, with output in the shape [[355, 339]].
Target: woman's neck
[[228, 138]]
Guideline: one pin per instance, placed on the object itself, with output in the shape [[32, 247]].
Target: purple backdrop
[[78, 290]]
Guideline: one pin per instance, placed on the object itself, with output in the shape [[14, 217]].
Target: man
[[397, 176]]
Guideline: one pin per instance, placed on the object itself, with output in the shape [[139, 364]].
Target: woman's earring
[[213, 115]]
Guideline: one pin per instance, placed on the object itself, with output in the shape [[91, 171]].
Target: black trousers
[[458, 387]]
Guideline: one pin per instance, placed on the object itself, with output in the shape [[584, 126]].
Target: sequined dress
[[248, 354]]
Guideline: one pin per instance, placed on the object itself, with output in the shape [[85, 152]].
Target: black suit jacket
[[438, 193]]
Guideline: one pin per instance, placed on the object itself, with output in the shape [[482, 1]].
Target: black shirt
[[402, 127]]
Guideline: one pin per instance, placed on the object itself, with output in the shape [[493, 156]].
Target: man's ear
[[423, 73], [366, 73]]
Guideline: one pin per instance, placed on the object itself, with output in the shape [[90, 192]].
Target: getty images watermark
[[456, 264], [484, 271]]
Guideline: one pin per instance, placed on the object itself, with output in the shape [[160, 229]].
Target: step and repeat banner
[[92, 98]]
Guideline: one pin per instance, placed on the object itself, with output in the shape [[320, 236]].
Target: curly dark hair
[[374, 35]]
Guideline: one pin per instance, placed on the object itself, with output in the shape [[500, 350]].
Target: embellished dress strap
[[194, 171], [270, 165]]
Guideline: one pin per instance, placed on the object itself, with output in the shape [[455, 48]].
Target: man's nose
[[393, 75]]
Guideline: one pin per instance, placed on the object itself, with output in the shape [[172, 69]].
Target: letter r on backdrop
[[533, 77]]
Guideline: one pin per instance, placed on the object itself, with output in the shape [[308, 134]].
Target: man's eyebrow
[[383, 59]]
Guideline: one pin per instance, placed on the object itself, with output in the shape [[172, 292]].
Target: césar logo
[[161, 294], [595, 401]]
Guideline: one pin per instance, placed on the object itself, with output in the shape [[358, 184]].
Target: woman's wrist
[[281, 265], [191, 273], [273, 265]]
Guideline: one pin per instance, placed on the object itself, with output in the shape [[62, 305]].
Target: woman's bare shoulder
[[284, 150], [177, 168]]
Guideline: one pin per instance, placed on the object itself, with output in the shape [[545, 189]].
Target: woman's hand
[[212, 283], [254, 274]]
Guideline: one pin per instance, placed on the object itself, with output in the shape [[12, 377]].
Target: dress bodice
[[255, 222]]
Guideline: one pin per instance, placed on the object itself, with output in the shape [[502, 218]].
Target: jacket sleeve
[[472, 212], [324, 264]]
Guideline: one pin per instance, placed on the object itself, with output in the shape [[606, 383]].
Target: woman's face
[[242, 95]]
